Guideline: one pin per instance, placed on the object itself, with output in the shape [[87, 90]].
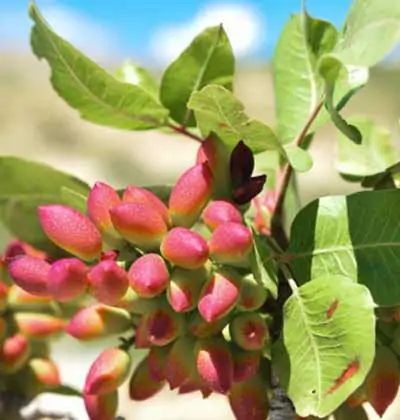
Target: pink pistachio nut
[[161, 325], [46, 372], [245, 364], [108, 282], [157, 361], [31, 274], [215, 364], [101, 407], [180, 362], [185, 248], [108, 372], [184, 288], [34, 325], [135, 194], [148, 275], [98, 321], [219, 295], [67, 279], [14, 353], [219, 212], [102, 198], [231, 243], [141, 385], [139, 223], [249, 400], [71, 230], [190, 194], [19, 299]]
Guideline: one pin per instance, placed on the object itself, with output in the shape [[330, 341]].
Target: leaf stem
[[181, 129], [286, 174]]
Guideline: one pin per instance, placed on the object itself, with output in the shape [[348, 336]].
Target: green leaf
[[329, 336], [74, 199], [390, 178], [371, 31], [138, 76], [24, 186], [298, 86], [373, 155], [97, 95], [262, 265], [207, 60], [349, 130], [357, 236], [218, 110], [299, 158]]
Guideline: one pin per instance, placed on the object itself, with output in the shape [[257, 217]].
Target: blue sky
[[156, 30]]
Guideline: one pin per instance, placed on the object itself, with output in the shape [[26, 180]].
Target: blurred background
[[35, 123]]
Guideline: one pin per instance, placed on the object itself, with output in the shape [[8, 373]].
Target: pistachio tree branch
[[276, 224], [181, 129]]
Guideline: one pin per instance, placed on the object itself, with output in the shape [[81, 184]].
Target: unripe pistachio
[[252, 294], [141, 385], [200, 328], [135, 194], [245, 364], [101, 407], [46, 372], [20, 300], [3, 296], [97, 321], [31, 274], [180, 362], [214, 364], [140, 224], [195, 383], [219, 295], [185, 287], [108, 282], [102, 198], [14, 352], [38, 326], [108, 372], [220, 211], [71, 230], [231, 243], [249, 331], [190, 194], [67, 279], [148, 275], [185, 248], [249, 400], [157, 361]]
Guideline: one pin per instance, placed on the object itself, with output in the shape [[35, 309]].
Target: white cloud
[[242, 23], [85, 34]]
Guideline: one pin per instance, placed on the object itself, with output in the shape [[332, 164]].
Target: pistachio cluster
[[27, 323], [175, 277]]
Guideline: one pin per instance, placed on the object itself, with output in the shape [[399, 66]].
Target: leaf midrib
[[199, 79], [43, 29], [322, 251], [314, 346]]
